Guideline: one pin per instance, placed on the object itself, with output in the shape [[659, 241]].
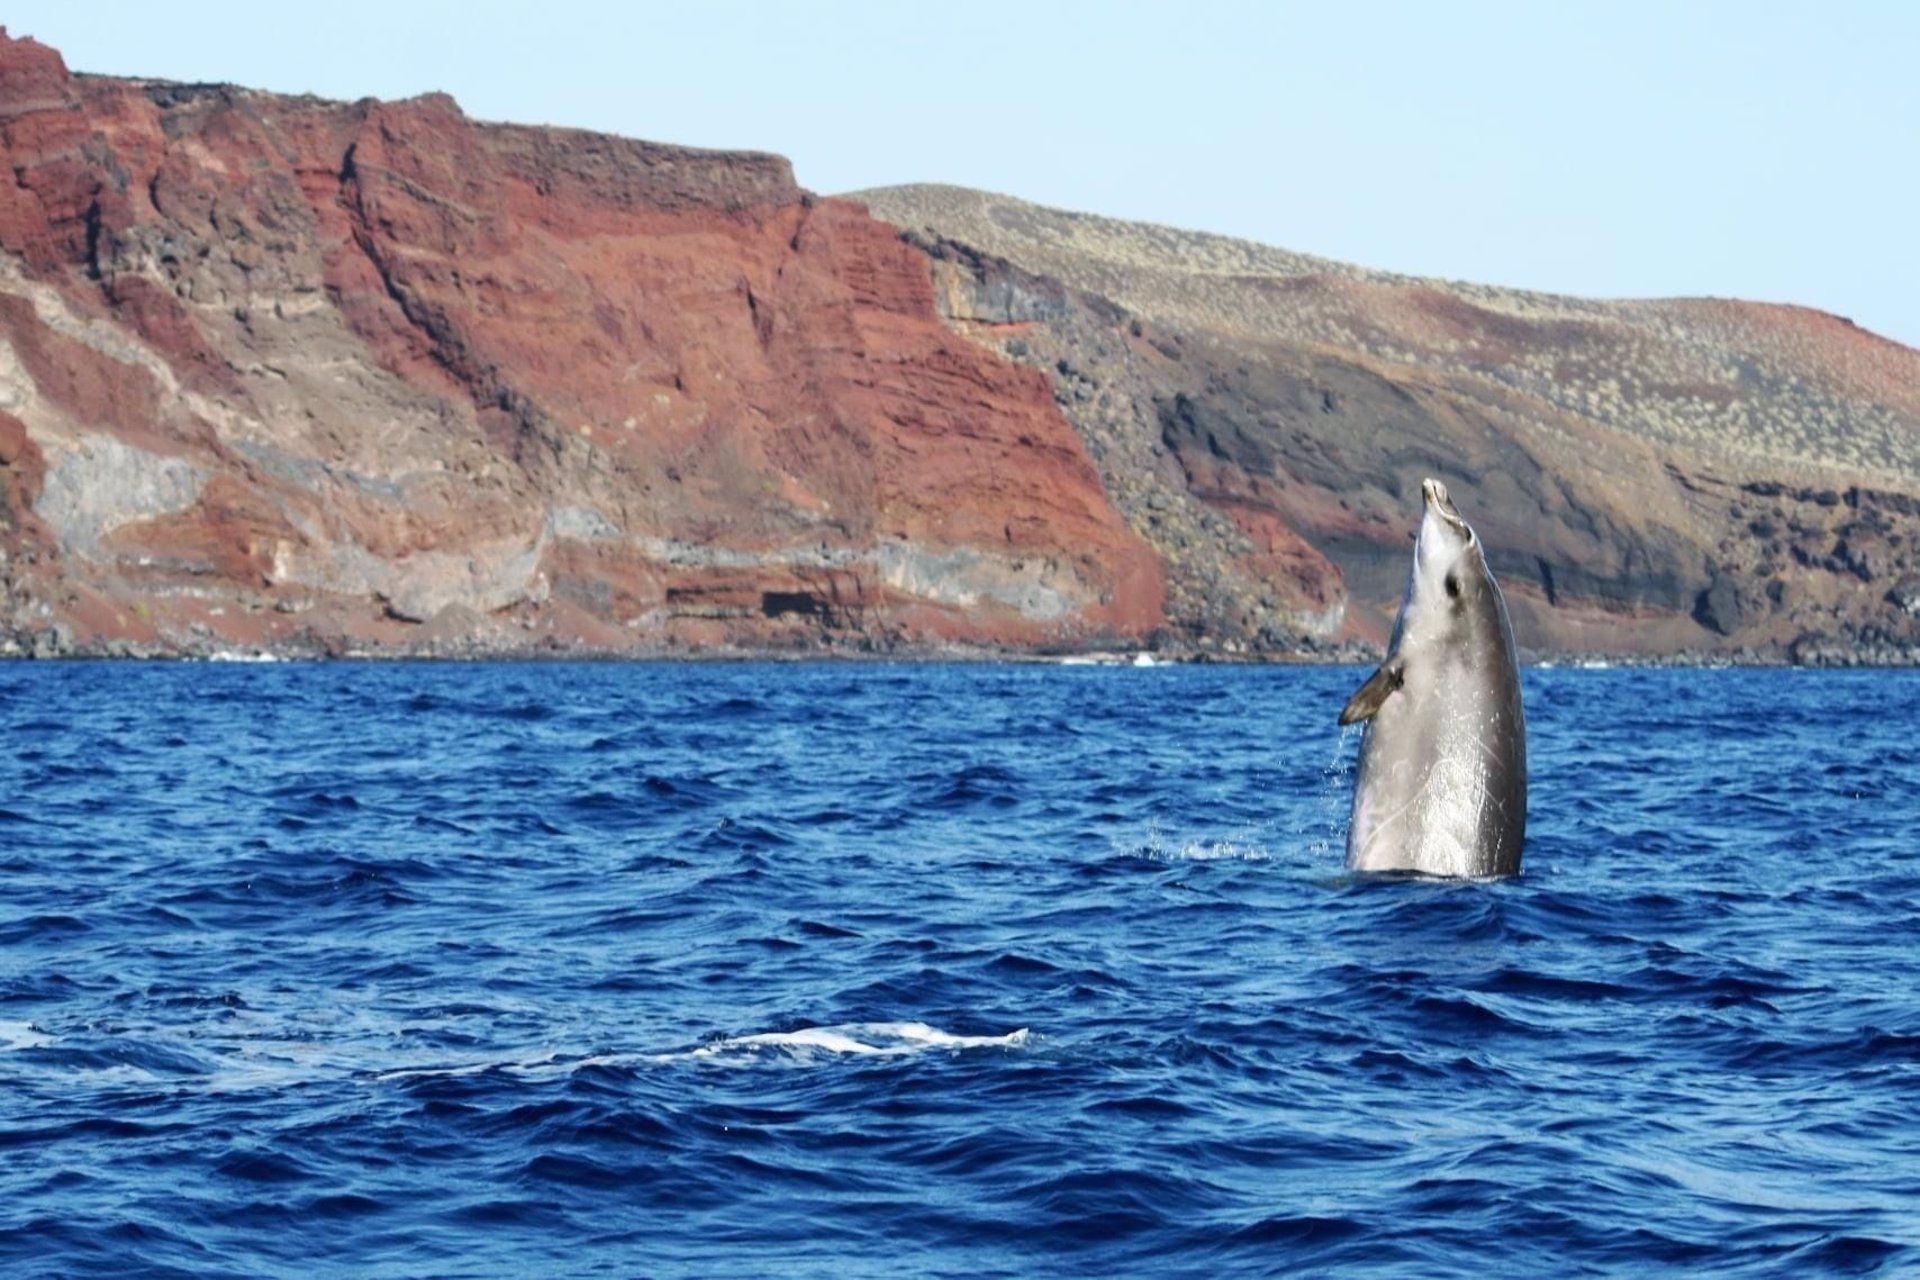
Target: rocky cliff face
[[375, 377], [1652, 478]]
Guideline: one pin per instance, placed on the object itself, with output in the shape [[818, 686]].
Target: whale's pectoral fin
[[1367, 700]]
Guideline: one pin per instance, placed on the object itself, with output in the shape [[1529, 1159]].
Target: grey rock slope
[[1654, 478]]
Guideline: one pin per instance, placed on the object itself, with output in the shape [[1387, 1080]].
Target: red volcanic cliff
[[373, 376]]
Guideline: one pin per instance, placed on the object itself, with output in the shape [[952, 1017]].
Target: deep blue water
[[922, 970]]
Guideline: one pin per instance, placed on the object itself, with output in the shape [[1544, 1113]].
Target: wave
[[660, 987], [801, 1046], [851, 1039]]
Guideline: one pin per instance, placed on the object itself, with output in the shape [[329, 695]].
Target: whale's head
[[1449, 592], [1445, 542]]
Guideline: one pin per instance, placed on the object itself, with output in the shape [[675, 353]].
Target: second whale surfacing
[[1442, 782]]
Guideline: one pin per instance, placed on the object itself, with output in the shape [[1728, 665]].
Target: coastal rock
[[1653, 479], [282, 372], [285, 374]]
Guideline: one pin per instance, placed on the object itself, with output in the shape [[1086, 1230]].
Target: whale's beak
[[1440, 503]]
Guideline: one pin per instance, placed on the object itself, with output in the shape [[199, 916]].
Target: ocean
[[940, 970]]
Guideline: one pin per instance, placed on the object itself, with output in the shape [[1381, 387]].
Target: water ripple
[[833, 970]]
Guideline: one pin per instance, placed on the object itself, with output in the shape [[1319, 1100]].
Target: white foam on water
[[854, 1039], [808, 1044], [22, 1035], [270, 1059]]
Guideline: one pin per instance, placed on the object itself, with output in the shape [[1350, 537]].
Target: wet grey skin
[[1442, 783]]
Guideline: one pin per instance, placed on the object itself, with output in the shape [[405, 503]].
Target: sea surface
[[850, 970]]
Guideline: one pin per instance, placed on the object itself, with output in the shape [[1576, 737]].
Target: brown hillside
[[1654, 477]]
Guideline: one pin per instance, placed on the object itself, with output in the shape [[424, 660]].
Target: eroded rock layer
[[280, 372], [1652, 478]]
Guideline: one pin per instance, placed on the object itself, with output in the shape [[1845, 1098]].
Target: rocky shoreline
[[53, 646]]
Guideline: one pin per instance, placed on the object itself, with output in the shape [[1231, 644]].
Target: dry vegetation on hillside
[[1740, 381]]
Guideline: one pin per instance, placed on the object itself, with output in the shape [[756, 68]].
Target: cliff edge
[[313, 376]]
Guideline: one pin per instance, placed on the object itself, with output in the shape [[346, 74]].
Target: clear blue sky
[[1749, 149]]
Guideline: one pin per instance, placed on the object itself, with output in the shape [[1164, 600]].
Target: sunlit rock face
[[375, 377]]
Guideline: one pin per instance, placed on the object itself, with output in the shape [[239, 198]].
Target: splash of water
[[1248, 843], [1328, 816]]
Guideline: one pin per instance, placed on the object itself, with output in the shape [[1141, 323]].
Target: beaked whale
[[1442, 783]]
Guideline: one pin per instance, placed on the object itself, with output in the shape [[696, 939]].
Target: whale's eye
[[1453, 586]]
